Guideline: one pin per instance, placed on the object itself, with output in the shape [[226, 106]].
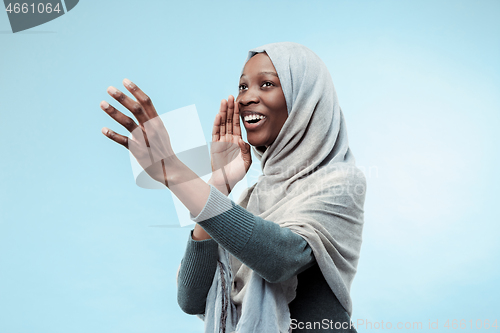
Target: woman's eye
[[242, 86], [267, 84]]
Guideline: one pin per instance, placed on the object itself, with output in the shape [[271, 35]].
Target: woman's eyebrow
[[262, 73]]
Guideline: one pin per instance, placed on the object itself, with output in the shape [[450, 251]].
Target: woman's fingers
[[229, 115], [122, 119], [133, 106], [142, 98], [137, 149], [118, 138], [228, 119], [223, 114], [216, 128], [236, 120]]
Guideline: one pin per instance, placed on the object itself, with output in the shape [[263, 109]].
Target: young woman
[[283, 258]]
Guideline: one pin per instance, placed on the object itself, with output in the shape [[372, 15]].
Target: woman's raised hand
[[231, 157], [149, 142]]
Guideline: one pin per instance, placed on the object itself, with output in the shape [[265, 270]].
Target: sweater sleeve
[[273, 252], [196, 274]]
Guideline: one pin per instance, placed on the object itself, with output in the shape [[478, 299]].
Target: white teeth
[[253, 116]]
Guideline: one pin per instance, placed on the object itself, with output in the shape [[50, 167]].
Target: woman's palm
[[231, 157]]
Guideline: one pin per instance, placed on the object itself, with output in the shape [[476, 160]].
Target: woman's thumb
[[244, 147]]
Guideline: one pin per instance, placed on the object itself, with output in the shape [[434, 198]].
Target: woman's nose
[[250, 96]]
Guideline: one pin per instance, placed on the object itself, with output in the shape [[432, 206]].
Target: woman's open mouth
[[254, 121]]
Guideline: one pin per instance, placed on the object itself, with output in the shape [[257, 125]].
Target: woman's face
[[261, 101]]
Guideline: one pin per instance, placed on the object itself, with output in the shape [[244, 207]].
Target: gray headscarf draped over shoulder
[[309, 180]]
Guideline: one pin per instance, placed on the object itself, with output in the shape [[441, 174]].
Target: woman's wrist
[[199, 233], [219, 184], [175, 172], [178, 173]]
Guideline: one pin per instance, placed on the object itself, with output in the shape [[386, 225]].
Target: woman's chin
[[255, 143], [251, 141], [258, 143]]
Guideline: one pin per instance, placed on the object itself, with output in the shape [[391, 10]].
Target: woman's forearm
[[191, 190]]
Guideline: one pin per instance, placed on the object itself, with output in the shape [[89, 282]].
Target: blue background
[[419, 85]]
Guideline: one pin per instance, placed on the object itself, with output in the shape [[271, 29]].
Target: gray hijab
[[309, 180]]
